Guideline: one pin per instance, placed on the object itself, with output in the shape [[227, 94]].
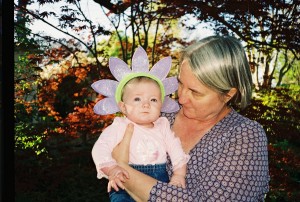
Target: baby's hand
[[116, 177], [178, 180]]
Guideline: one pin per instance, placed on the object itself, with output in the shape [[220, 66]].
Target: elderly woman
[[229, 157]]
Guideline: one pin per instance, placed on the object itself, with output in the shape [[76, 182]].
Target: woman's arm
[[138, 185], [233, 169]]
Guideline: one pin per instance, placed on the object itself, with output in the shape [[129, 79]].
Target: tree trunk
[[266, 76], [271, 76], [288, 64]]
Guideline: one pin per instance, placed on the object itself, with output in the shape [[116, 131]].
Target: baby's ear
[[122, 107]]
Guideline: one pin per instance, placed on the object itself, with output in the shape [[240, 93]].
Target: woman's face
[[198, 101]]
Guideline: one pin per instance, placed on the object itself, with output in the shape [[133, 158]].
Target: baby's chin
[[146, 122], [146, 125]]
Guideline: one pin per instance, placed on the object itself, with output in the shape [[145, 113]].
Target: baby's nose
[[146, 105]]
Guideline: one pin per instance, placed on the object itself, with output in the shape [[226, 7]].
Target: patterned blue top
[[230, 163]]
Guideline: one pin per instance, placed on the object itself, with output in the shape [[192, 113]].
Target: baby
[[140, 98]]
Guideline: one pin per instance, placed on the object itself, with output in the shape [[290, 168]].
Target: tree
[[54, 104], [141, 23], [288, 64], [134, 23], [263, 25], [75, 63], [21, 33], [244, 18], [68, 67], [71, 17]]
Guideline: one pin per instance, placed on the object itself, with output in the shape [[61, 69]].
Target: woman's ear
[[122, 107], [231, 93]]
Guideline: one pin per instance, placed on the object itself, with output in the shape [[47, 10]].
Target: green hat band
[[123, 82]]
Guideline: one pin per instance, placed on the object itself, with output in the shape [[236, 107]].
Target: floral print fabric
[[230, 163]]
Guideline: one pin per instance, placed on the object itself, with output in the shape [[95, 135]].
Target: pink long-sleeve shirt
[[148, 146]]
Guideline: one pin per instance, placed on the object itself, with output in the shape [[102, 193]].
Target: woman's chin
[[187, 112]]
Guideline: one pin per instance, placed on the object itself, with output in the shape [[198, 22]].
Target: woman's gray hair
[[220, 63]]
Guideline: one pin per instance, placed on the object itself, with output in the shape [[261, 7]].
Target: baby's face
[[142, 102]]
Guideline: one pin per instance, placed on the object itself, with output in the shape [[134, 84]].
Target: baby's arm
[[116, 176], [178, 177], [178, 157]]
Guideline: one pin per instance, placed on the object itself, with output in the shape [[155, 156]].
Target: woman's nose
[[182, 96]]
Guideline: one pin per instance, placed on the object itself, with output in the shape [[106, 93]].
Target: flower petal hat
[[140, 67]]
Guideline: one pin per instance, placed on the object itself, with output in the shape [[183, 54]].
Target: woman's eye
[[196, 94], [137, 99]]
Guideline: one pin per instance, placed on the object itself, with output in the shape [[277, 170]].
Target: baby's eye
[[153, 100], [137, 99]]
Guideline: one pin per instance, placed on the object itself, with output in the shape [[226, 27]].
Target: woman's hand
[[121, 151], [116, 177]]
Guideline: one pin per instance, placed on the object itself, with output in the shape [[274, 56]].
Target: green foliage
[[281, 95], [283, 145], [28, 137], [67, 174], [22, 34], [278, 110], [288, 68]]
